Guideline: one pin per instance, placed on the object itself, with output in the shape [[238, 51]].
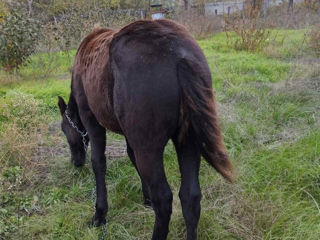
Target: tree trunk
[[186, 4], [265, 6], [290, 6], [30, 7], [254, 4]]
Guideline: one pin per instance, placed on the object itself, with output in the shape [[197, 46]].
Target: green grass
[[229, 66], [269, 113], [43, 65]]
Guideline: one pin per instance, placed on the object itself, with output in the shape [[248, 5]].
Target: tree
[[3, 12], [253, 8], [18, 39], [30, 7], [186, 4], [290, 6]]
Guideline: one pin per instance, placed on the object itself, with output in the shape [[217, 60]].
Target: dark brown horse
[[151, 83]]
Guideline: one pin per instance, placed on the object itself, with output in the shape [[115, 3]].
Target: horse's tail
[[198, 116]]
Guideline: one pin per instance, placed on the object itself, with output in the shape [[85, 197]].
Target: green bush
[[18, 39], [250, 35]]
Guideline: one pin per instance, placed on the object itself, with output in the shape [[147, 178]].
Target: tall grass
[[269, 110]]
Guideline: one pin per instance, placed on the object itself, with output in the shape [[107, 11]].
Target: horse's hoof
[[77, 164], [97, 222]]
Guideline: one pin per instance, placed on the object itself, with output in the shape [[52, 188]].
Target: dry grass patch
[[23, 129], [314, 42]]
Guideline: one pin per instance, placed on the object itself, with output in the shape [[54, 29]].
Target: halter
[[82, 133]]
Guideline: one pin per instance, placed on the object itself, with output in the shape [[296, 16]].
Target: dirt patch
[[308, 81], [116, 149], [226, 111], [53, 145], [64, 77]]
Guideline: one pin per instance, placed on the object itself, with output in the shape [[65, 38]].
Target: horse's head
[[76, 134]]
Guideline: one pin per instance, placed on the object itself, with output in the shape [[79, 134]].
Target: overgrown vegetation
[[251, 33], [269, 110], [18, 39], [314, 41], [251, 36], [267, 82]]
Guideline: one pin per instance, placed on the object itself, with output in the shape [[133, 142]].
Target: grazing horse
[[150, 82]]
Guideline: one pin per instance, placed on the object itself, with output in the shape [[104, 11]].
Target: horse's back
[[91, 75]]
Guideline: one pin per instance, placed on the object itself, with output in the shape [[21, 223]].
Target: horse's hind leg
[[190, 193], [130, 152], [150, 165]]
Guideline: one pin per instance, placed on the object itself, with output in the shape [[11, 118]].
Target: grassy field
[[269, 110]]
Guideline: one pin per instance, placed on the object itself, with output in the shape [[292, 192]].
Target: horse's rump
[[160, 69]]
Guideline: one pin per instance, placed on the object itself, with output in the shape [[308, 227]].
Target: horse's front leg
[[97, 136], [98, 143]]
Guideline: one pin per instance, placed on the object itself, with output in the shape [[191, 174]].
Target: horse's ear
[[62, 105]]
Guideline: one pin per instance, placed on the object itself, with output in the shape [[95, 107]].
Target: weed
[[251, 36], [314, 41], [269, 111]]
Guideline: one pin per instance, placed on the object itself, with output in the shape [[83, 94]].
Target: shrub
[[3, 12], [251, 36], [249, 29], [20, 135], [22, 120], [314, 41], [18, 39]]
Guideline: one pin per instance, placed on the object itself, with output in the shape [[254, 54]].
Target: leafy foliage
[[18, 39], [3, 12]]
